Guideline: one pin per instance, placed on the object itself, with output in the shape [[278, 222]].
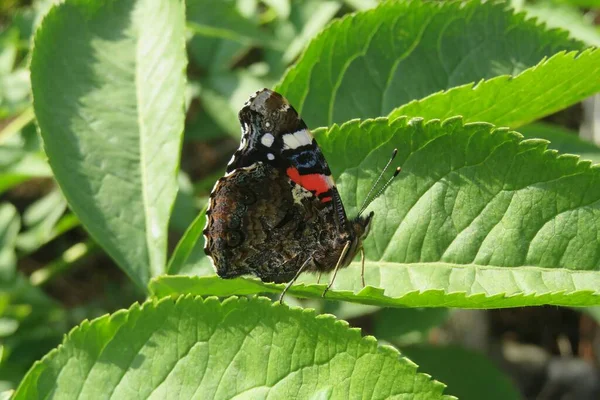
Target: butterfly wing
[[258, 225], [277, 206], [273, 133]]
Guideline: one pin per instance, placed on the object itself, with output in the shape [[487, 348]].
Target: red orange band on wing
[[317, 183]]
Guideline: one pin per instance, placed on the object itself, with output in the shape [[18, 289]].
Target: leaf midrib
[[143, 132]]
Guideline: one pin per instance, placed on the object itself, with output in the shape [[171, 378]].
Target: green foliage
[[565, 14], [452, 363], [212, 348], [10, 224], [189, 256], [469, 223], [536, 92], [113, 135], [30, 324], [20, 155], [563, 140], [365, 65], [40, 219], [479, 218], [222, 20], [403, 326]]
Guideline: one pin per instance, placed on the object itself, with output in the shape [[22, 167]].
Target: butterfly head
[[361, 226], [359, 230]]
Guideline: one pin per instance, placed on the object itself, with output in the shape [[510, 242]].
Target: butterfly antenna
[[368, 199]]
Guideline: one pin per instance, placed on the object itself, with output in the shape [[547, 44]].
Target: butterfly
[[277, 212]]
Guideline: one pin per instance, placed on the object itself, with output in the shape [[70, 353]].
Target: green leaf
[[42, 324], [566, 16], [471, 221], [213, 53], [14, 92], [562, 139], [113, 135], [185, 209], [21, 157], [224, 94], [9, 40], [469, 375], [221, 19], [41, 219], [196, 347], [402, 326], [552, 85], [581, 3], [14, 78], [10, 223], [189, 257], [307, 19], [302, 21], [367, 64]]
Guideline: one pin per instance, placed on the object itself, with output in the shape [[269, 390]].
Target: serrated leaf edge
[[155, 303]]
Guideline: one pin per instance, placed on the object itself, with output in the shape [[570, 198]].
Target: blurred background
[[52, 275]]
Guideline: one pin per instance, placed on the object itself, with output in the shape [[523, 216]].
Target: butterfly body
[[277, 212]]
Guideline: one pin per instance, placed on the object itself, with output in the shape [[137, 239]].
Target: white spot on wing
[[297, 139], [267, 139], [270, 156], [290, 141]]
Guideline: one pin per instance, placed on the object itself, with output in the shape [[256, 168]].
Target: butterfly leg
[[362, 266], [337, 266], [290, 283], [319, 277]]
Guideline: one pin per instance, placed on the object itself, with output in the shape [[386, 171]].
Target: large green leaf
[[478, 218], [194, 348], [367, 64], [550, 86], [108, 85]]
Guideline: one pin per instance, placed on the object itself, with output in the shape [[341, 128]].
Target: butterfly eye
[[234, 238]]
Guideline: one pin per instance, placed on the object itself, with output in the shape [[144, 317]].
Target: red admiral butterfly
[[277, 213]]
